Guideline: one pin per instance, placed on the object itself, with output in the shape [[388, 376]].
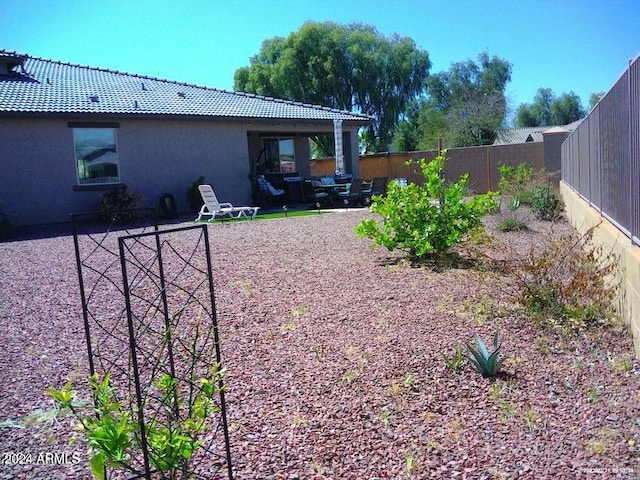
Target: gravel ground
[[334, 364]]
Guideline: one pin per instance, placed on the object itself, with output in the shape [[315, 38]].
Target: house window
[[279, 155], [96, 156]]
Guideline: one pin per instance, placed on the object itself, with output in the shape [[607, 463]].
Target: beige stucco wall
[[583, 217]]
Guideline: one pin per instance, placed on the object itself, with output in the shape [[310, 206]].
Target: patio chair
[[212, 207], [353, 192], [379, 186], [314, 195], [268, 193]]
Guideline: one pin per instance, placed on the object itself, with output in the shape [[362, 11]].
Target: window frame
[[112, 144], [278, 141]]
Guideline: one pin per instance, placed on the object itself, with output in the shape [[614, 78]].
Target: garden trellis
[[149, 313]]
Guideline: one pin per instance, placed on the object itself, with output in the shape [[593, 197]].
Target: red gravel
[[334, 364]]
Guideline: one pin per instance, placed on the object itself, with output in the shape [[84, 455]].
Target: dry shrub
[[570, 283], [118, 204]]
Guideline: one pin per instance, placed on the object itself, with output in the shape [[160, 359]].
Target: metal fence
[[601, 158]]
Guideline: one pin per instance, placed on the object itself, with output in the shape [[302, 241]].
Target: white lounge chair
[[212, 207]]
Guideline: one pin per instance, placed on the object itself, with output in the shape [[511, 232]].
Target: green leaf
[[481, 347], [487, 364], [64, 396], [496, 345], [10, 424], [96, 463]]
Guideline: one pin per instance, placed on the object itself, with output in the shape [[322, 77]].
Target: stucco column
[[351, 152]]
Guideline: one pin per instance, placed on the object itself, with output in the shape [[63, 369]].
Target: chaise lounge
[[212, 207]]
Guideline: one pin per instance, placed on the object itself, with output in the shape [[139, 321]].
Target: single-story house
[[550, 137], [512, 136], [68, 133]]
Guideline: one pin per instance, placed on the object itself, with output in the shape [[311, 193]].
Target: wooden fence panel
[[481, 163]]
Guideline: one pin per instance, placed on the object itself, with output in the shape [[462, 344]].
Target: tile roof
[[47, 86], [519, 135], [530, 134]]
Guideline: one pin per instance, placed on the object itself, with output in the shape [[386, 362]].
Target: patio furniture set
[[324, 191]]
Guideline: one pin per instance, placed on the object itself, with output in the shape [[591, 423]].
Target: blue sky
[[566, 45]]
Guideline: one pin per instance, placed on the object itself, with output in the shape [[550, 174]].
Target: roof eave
[[167, 116]]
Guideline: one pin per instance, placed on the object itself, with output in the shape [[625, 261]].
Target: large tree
[[349, 67], [547, 109], [465, 106]]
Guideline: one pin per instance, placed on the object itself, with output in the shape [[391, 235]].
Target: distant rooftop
[[30, 84], [530, 134], [519, 135]]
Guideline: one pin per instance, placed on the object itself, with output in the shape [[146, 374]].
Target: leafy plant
[[488, 364], [456, 361], [496, 392], [115, 201], [508, 409], [511, 224], [386, 417], [514, 179], [193, 194], [410, 464], [546, 204], [426, 220], [114, 434], [350, 376], [622, 364], [410, 381], [601, 443], [593, 394], [531, 417], [514, 204], [514, 182]]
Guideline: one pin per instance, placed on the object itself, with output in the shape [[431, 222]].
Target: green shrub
[[511, 224], [113, 431], [546, 205], [570, 284], [515, 183], [514, 180], [526, 197], [426, 220], [456, 361], [193, 195]]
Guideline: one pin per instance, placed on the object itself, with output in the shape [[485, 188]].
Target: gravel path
[[334, 364]]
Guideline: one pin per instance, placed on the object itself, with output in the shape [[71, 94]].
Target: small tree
[[426, 220]]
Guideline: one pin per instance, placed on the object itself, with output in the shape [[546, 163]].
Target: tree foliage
[[350, 67], [547, 110], [465, 106], [421, 127], [595, 98]]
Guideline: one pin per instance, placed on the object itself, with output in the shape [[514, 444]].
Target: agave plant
[[486, 363]]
